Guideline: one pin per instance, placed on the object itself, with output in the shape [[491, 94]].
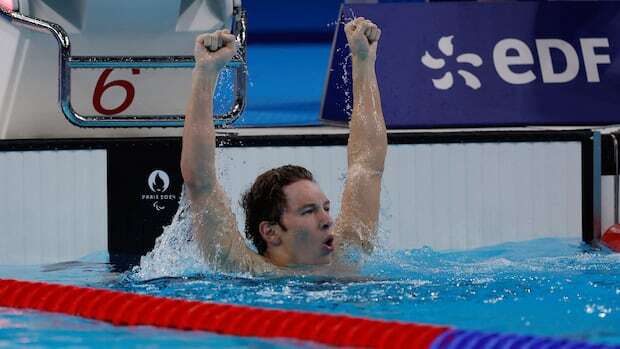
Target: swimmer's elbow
[[197, 180], [376, 167], [197, 185], [370, 159], [366, 167]]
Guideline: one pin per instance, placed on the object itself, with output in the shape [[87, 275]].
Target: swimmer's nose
[[326, 220]]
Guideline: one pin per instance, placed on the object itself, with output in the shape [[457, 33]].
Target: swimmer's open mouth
[[329, 243]]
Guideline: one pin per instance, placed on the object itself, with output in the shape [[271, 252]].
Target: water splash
[[385, 219], [347, 17], [223, 97], [347, 85], [176, 253]]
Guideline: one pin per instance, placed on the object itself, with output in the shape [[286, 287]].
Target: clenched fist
[[213, 51], [363, 36]]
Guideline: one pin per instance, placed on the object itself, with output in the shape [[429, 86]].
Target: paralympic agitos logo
[[513, 61]]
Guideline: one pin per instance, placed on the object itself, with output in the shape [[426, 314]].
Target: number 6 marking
[[102, 86]]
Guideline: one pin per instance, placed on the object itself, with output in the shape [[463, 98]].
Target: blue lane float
[[462, 339]]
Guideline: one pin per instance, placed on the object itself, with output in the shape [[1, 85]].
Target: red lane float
[[122, 308], [6, 5], [611, 238]]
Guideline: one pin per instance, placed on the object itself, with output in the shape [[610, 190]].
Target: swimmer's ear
[[269, 233]]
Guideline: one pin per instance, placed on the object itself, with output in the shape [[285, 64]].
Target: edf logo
[[513, 61]]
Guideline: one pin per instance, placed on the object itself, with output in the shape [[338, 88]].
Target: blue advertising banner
[[487, 64]]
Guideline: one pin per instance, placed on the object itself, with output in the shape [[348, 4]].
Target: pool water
[[545, 287]]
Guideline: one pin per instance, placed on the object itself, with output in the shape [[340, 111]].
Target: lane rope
[[130, 309]]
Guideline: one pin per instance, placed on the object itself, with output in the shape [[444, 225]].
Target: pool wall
[[444, 190], [53, 205]]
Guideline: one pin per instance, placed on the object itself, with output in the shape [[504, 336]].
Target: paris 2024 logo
[[158, 182]]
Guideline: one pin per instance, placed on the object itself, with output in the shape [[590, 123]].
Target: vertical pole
[[616, 177], [596, 185]]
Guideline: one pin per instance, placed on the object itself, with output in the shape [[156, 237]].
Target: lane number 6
[[102, 86]]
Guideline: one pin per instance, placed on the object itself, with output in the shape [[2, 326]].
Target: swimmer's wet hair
[[266, 201]]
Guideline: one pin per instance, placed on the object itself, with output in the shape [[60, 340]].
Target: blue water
[[547, 287]]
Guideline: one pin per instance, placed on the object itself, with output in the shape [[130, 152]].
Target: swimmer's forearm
[[368, 135], [198, 154]]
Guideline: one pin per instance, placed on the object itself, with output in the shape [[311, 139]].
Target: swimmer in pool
[[288, 217]]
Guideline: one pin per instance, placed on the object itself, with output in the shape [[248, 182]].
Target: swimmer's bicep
[[359, 213]]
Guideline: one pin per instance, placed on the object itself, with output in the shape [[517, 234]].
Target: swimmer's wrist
[[363, 67], [366, 61], [205, 74], [206, 70]]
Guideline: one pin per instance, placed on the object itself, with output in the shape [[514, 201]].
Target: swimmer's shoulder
[[253, 263]]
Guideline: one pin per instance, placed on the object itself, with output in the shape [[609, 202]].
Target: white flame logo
[[158, 181], [447, 80]]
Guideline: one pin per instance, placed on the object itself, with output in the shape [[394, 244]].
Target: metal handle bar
[[616, 177]]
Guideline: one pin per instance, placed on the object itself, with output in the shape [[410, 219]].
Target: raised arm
[[212, 51], [214, 224], [367, 146]]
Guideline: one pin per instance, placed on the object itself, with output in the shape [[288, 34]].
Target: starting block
[[109, 63]]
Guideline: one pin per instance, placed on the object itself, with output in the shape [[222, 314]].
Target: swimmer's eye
[[313, 209]]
